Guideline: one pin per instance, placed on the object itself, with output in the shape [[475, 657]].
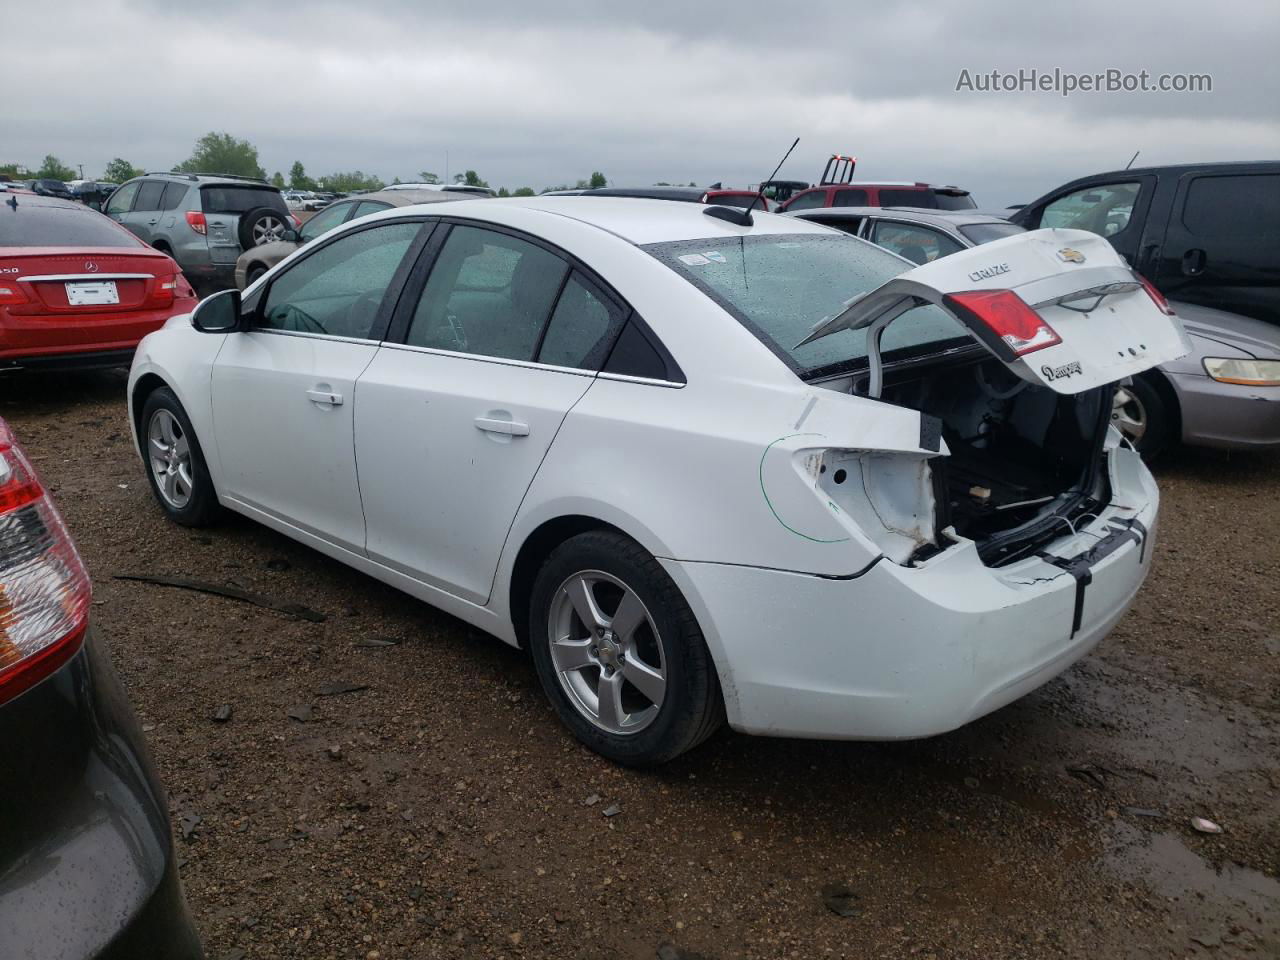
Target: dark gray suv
[[202, 220]]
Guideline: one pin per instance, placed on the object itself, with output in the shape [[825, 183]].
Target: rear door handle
[[510, 428], [1193, 262], [324, 396]]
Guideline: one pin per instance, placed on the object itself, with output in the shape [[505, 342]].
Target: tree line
[[222, 153]]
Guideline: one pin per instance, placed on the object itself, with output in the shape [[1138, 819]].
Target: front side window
[[325, 220], [779, 287], [489, 294], [337, 290], [1104, 210], [582, 328], [122, 199], [918, 244]]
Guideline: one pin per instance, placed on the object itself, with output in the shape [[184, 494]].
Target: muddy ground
[[442, 811]]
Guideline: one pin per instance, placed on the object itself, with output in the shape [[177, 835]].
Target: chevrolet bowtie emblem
[[1070, 255]]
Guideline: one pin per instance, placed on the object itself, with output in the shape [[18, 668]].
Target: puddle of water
[[1210, 900]]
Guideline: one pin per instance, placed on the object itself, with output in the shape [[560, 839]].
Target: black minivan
[[1205, 233]]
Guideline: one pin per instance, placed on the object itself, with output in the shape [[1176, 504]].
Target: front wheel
[[176, 468], [619, 653]]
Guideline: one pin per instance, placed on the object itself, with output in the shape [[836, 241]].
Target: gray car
[[1225, 393], [204, 221], [253, 263]]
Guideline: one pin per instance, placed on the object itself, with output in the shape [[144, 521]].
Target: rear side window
[[582, 328], [34, 225], [337, 290], [122, 199], [237, 199], [173, 194], [1235, 207], [809, 200], [488, 294], [890, 197], [850, 198], [149, 195]]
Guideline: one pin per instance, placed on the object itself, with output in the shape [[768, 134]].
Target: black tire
[[253, 274], [1150, 404], [258, 219], [692, 707], [201, 507]]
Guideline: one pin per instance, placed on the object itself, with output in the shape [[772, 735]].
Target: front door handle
[[510, 428], [329, 397]]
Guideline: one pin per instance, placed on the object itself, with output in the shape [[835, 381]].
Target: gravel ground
[[440, 810]]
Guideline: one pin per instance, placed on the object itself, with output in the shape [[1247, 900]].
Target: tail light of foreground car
[[196, 221], [45, 593], [1017, 329]]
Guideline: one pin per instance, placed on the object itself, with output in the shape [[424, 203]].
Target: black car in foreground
[[86, 855]]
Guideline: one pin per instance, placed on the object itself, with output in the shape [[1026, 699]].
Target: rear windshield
[[45, 225], [779, 287], [986, 232], [237, 199], [949, 201], [737, 200]]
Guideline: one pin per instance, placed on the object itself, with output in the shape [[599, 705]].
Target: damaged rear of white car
[[944, 519]]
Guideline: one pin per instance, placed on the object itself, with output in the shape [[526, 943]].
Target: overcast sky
[[535, 93]]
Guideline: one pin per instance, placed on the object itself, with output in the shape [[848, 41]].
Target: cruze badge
[[986, 273], [1070, 255]]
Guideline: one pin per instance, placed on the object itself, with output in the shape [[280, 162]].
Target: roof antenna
[[1131, 159], [743, 217]]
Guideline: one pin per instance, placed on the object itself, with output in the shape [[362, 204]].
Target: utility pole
[[81, 166], [446, 166]]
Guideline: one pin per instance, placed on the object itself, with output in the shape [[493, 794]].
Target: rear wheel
[[176, 468], [619, 652], [1141, 414]]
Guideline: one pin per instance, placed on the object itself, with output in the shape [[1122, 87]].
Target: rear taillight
[[45, 592], [196, 221], [1016, 328], [297, 224], [10, 292], [1156, 296]]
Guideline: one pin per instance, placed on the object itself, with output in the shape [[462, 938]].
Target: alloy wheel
[[267, 230], [1128, 415], [169, 453], [607, 652]]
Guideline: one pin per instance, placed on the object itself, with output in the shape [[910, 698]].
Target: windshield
[[986, 232], [779, 287]]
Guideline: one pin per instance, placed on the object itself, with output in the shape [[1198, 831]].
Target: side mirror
[[291, 236], [219, 313]]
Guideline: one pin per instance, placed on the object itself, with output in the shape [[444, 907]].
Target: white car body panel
[[815, 625]]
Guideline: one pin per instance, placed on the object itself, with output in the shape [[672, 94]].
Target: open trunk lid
[[1060, 308]]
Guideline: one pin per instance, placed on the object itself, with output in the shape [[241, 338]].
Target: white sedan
[[702, 467]]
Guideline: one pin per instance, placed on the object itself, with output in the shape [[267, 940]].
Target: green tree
[[53, 169], [597, 181], [427, 176], [118, 171], [298, 178], [351, 181], [396, 180], [504, 192], [277, 180], [14, 170], [222, 153], [524, 192], [470, 178]]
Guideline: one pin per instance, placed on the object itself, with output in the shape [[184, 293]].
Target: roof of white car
[[636, 220]]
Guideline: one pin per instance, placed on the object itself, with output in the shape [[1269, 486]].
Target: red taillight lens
[[196, 221], [1017, 329], [10, 292], [45, 592], [1156, 296], [297, 224]]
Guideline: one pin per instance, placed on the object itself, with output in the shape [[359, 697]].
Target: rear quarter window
[[892, 197], [1236, 206]]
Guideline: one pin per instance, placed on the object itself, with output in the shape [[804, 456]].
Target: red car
[[76, 288], [885, 194]]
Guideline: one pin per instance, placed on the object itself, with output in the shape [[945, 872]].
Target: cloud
[[538, 94]]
